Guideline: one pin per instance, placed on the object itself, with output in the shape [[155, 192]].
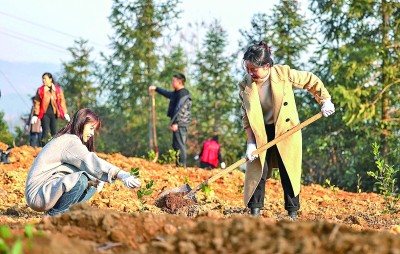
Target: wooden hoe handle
[[258, 151]]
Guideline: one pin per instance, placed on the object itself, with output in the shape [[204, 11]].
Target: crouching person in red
[[210, 154], [67, 170]]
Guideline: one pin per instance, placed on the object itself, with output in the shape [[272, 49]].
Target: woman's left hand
[[327, 107]]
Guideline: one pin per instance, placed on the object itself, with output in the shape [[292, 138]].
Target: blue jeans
[[35, 139], [79, 193]]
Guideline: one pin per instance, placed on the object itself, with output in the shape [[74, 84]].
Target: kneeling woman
[[67, 169]]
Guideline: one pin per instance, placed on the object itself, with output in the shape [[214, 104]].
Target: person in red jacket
[[49, 106], [210, 154]]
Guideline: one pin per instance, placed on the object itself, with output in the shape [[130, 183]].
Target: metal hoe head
[[180, 189]]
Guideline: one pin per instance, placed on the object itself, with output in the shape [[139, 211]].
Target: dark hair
[[181, 77], [259, 54], [48, 74], [215, 137], [77, 124]]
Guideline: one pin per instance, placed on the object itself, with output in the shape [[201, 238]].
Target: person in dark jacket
[[180, 103], [34, 130], [210, 154]]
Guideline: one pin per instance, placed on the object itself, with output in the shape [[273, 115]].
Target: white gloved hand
[[223, 165], [34, 119], [327, 107], [66, 116], [251, 147], [100, 186], [129, 181], [196, 157]]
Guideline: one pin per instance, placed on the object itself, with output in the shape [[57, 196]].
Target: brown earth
[[116, 221]]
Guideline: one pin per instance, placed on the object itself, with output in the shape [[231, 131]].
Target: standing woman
[[268, 111], [66, 170], [49, 105]]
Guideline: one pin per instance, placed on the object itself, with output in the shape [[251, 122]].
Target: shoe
[[293, 215], [255, 211]]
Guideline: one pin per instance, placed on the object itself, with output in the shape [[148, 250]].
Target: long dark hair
[[259, 54], [48, 74], [77, 124]]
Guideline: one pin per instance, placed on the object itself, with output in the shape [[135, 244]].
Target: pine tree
[[140, 27], [78, 78], [360, 55], [216, 98]]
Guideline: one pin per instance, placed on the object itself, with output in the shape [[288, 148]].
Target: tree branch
[[384, 90]]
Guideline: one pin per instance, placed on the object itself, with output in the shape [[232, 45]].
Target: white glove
[[100, 186], [251, 147], [327, 107], [66, 116], [129, 181], [34, 119], [223, 165], [196, 157]]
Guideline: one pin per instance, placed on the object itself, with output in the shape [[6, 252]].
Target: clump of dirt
[[177, 203]]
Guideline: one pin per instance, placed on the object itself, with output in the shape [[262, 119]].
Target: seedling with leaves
[[386, 180], [6, 236], [208, 192], [144, 191], [331, 186]]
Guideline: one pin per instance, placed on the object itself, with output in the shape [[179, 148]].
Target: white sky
[[41, 30], [34, 36]]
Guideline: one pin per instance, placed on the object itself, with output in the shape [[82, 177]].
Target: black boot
[[293, 215], [255, 211]]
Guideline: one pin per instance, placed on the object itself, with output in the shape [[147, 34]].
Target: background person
[[268, 111], [34, 130], [67, 171], [210, 154], [49, 107], [180, 103]]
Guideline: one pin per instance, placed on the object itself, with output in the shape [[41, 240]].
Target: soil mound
[[116, 220]]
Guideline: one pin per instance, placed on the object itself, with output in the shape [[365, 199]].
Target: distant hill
[[18, 83]]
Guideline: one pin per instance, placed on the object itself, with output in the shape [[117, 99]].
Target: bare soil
[[116, 221]]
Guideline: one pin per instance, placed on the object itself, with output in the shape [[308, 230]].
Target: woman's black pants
[[292, 203]]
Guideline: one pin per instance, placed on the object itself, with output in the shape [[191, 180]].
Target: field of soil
[[116, 220]]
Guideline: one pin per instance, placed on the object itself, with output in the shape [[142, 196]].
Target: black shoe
[[255, 211], [293, 215]]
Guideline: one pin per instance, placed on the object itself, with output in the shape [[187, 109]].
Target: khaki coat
[[283, 80]]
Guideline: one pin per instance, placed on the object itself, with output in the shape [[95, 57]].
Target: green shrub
[[385, 180]]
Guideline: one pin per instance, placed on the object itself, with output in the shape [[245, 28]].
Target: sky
[[35, 35]]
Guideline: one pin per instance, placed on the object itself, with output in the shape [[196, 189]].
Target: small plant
[[17, 247], [135, 172], [144, 191], [151, 155], [331, 186], [208, 192], [168, 158], [186, 180], [359, 183], [385, 179], [275, 174]]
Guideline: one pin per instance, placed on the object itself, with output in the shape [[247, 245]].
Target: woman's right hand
[[129, 181], [251, 147]]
